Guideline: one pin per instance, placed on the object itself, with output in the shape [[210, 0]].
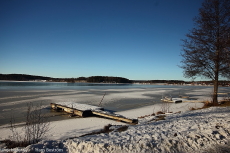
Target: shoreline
[[190, 129], [161, 84], [60, 131]]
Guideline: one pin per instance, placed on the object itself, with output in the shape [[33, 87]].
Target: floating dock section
[[85, 110], [180, 100], [172, 100]]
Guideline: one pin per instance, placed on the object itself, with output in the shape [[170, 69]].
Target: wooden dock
[[82, 113], [84, 110]]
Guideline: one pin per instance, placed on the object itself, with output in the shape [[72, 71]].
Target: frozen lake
[[14, 96]]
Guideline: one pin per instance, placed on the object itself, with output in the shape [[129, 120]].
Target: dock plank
[[115, 117]]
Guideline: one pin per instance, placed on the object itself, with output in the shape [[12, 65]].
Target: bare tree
[[206, 50]]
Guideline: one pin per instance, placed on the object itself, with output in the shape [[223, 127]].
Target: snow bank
[[191, 131]]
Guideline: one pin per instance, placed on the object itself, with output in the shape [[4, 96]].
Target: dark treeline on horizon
[[107, 79], [95, 79], [158, 81], [22, 77]]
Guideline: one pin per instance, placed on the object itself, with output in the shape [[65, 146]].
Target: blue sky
[[135, 39]]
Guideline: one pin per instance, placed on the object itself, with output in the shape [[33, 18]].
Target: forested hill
[[107, 79], [92, 79], [22, 77]]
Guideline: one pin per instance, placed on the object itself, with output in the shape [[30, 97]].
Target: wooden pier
[[84, 110]]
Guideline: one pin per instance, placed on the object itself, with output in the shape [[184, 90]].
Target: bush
[[35, 128]]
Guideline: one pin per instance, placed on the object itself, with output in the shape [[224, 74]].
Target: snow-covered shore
[[192, 131], [188, 131]]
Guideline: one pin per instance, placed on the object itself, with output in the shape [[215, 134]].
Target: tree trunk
[[216, 80], [215, 92]]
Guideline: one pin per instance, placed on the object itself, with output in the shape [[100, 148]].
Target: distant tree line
[[107, 79], [92, 79], [222, 82], [100, 79], [22, 77], [160, 81]]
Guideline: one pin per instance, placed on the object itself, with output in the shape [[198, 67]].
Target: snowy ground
[[189, 131]]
